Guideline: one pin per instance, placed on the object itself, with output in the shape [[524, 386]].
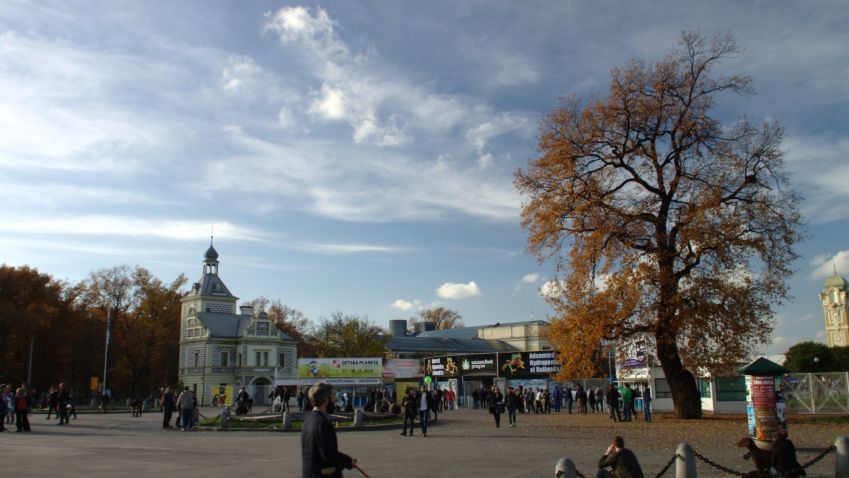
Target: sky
[[359, 156]]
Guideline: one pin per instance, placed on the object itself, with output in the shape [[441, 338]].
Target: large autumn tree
[[667, 225]]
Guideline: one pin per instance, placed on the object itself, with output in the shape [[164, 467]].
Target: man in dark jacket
[[621, 461], [320, 454], [168, 405], [409, 411], [613, 403], [424, 400]]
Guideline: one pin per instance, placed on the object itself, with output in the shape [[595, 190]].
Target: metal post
[[841, 457], [106, 350], [685, 465], [29, 367], [811, 388], [565, 468]]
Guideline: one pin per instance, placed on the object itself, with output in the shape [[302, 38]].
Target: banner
[[761, 395], [402, 368], [637, 355], [222, 395], [442, 366], [316, 369], [483, 365], [523, 364]]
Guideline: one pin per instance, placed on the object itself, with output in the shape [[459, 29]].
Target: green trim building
[[222, 350]]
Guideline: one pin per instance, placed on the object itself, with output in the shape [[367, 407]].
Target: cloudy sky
[[358, 156]]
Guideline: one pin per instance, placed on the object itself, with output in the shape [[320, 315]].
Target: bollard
[[287, 420], [685, 466], [841, 457], [359, 422], [565, 468], [223, 418]]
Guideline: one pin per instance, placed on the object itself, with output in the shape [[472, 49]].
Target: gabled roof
[[229, 326], [763, 366], [447, 345], [212, 285]]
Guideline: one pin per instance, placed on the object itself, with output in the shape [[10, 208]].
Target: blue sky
[[358, 156]]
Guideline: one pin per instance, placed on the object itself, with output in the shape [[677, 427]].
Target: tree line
[[65, 325]]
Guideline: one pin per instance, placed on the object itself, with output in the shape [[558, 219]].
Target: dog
[[761, 458], [138, 406]]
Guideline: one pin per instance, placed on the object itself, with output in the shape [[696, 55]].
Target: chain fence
[[730, 471]]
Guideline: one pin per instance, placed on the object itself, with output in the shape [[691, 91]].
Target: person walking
[[627, 402], [647, 404], [21, 403], [9, 398], [591, 399], [581, 397], [599, 399], [62, 399], [185, 403], [409, 405], [513, 403], [168, 404], [613, 403], [320, 455], [558, 398], [51, 402], [496, 405], [425, 402], [569, 399]]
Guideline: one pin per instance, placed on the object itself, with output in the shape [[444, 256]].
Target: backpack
[[23, 405]]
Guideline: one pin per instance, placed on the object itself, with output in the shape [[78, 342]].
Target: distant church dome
[[836, 281], [211, 254]]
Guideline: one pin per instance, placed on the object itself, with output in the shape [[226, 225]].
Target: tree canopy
[[666, 225], [347, 336], [441, 317], [816, 357]]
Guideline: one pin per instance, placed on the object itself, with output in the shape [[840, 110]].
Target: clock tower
[[836, 309]]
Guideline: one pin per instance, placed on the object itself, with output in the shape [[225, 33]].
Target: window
[[661, 388], [262, 359], [265, 359], [240, 360], [258, 357], [704, 387], [282, 362], [197, 359], [225, 359], [262, 328], [731, 389]]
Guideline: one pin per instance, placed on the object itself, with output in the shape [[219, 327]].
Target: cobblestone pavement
[[464, 443]]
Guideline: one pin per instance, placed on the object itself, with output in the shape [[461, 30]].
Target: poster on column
[[763, 401]]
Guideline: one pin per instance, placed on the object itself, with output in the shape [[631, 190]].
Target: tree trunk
[[685, 394]]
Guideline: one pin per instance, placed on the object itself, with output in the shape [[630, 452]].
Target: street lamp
[[106, 350]]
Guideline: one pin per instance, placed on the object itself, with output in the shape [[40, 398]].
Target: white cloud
[[530, 278], [824, 266], [450, 290], [103, 225], [807, 158], [349, 248], [550, 289], [239, 70], [402, 304]]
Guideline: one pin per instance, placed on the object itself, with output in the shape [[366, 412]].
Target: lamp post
[[106, 350]]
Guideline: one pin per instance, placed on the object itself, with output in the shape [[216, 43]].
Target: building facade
[[222, 350], [835, 308]]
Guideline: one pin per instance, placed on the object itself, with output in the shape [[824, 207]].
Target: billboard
[[637, 355], [402, 368], [316, 369], [483, 365], [443, 366], [523, 364]]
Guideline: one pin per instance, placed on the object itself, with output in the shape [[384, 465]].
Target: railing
[[685, 458], [813, 393]]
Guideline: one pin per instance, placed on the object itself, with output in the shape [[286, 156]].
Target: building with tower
[[836, 310], [222, 349]]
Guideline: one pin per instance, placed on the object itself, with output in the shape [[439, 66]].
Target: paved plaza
[[464, 443]]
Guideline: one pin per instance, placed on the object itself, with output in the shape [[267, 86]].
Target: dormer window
[[262, 328]]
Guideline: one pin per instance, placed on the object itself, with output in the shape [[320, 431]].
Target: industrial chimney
[[398, 328]]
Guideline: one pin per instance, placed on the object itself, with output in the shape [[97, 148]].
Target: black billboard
[[527, 364], [479, 365]]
